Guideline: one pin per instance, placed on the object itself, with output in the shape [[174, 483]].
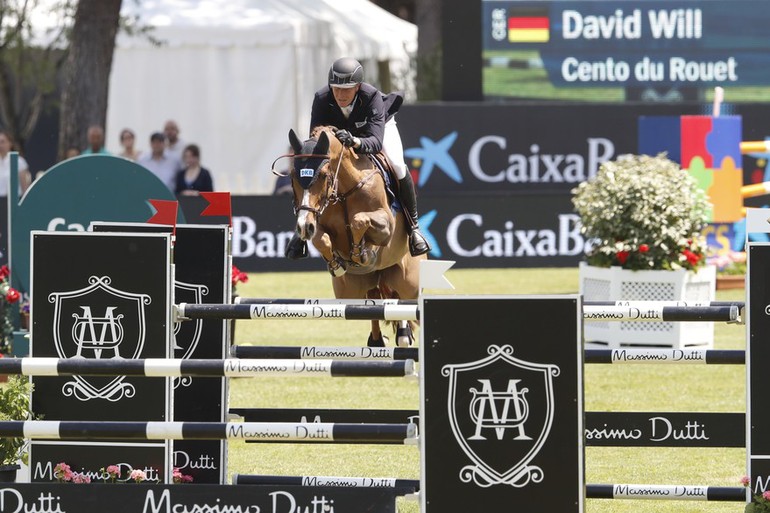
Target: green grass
[[610, 388]]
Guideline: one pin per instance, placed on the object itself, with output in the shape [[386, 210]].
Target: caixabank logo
[[501, 234], [464, 161]]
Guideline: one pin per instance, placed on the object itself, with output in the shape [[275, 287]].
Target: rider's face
[[344, 96]]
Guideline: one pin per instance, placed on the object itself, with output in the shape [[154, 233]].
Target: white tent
[[236, 75]]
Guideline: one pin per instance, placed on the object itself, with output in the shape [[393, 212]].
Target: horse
[[343, 209]]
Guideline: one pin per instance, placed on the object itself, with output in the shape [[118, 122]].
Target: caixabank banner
[[475, 230], [501, 403], [535, 147]]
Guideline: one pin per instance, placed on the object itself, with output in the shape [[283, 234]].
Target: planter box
[[616, 284]]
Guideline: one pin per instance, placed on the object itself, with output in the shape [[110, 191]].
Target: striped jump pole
[[320, 301], [688, 356], [666, 492], [231, 367], [403, 486], [662, 313], [321, 352], [185, 311], [290, 432], [649, 304]]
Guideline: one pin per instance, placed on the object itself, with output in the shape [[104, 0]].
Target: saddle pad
[[382, 165]]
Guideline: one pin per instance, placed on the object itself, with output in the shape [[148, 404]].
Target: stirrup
[[418, 244]]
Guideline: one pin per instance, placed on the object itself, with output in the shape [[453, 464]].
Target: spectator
[[174, 145], [193, 178], [95, 138], [127, 139], [157, 160], [25, 177]]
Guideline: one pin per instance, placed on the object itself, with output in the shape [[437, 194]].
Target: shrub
[[642, 213]]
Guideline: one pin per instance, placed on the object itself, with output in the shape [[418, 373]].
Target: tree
[[30, 57], [86, 73], [428, 19]]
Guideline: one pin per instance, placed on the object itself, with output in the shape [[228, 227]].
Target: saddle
[[383, 166]]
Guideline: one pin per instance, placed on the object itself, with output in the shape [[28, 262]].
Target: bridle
[[333, 197]]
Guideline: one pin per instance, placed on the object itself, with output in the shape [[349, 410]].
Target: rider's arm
[[372, 133]]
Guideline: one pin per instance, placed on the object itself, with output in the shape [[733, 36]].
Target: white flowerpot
[[615, 284]]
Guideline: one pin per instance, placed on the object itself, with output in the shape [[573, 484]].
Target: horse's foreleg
[[375, 227], [376, 338], [323, 244]]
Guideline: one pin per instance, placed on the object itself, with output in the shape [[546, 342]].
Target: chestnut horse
[[343, 208]]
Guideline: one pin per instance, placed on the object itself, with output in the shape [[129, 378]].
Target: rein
[[334, 196]]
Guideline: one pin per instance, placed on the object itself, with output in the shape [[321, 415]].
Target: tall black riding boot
[[418, 244], [296, 248]]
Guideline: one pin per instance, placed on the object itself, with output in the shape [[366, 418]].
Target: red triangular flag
[[166, 211], [219, 205]]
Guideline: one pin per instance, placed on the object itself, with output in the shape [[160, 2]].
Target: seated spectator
[[193, 178], [95, 138], [163, 165], [127, 139]]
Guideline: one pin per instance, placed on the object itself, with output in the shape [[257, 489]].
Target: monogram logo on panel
[[501, 410], [99, 321]]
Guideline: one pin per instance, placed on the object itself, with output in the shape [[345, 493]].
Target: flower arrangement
[[8, 296], [642, 213], [759, 503], [111, 474]]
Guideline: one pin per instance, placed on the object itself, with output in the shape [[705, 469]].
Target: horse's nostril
[[310, 230]]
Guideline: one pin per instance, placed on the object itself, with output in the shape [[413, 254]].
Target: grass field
[[609, 388]]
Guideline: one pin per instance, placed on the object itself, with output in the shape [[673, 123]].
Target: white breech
[[393, 148]]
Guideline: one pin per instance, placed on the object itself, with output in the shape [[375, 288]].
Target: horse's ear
[[294, 141], [322, 148]]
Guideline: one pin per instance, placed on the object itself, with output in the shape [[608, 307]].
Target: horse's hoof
[[372, 342]]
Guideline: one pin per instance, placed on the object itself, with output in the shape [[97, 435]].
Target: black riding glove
[[346, 138]]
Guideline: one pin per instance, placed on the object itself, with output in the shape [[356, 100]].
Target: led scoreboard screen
[[544, 48]]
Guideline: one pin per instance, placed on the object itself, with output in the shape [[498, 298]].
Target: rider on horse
[[365, 120]]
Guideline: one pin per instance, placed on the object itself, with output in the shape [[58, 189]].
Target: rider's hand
[[347, 139]]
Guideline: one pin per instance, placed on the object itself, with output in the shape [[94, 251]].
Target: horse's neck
[[349, 175]]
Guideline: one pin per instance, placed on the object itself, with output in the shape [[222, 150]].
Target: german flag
[[528, 29]]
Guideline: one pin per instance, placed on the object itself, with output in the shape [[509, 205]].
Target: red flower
[[643, 248], [4, 272], [12, 295], [622, 256], [692, 258], [238, 276]]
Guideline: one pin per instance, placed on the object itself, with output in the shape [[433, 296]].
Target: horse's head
[[312, 180]]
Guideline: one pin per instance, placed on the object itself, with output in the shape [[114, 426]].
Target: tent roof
[[275, 23]]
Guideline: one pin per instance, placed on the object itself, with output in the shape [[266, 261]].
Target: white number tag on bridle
[[306, 173]]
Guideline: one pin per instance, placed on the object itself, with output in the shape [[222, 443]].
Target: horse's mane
[[315, 133]]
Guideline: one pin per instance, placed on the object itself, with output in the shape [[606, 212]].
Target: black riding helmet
[[346, 72]]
